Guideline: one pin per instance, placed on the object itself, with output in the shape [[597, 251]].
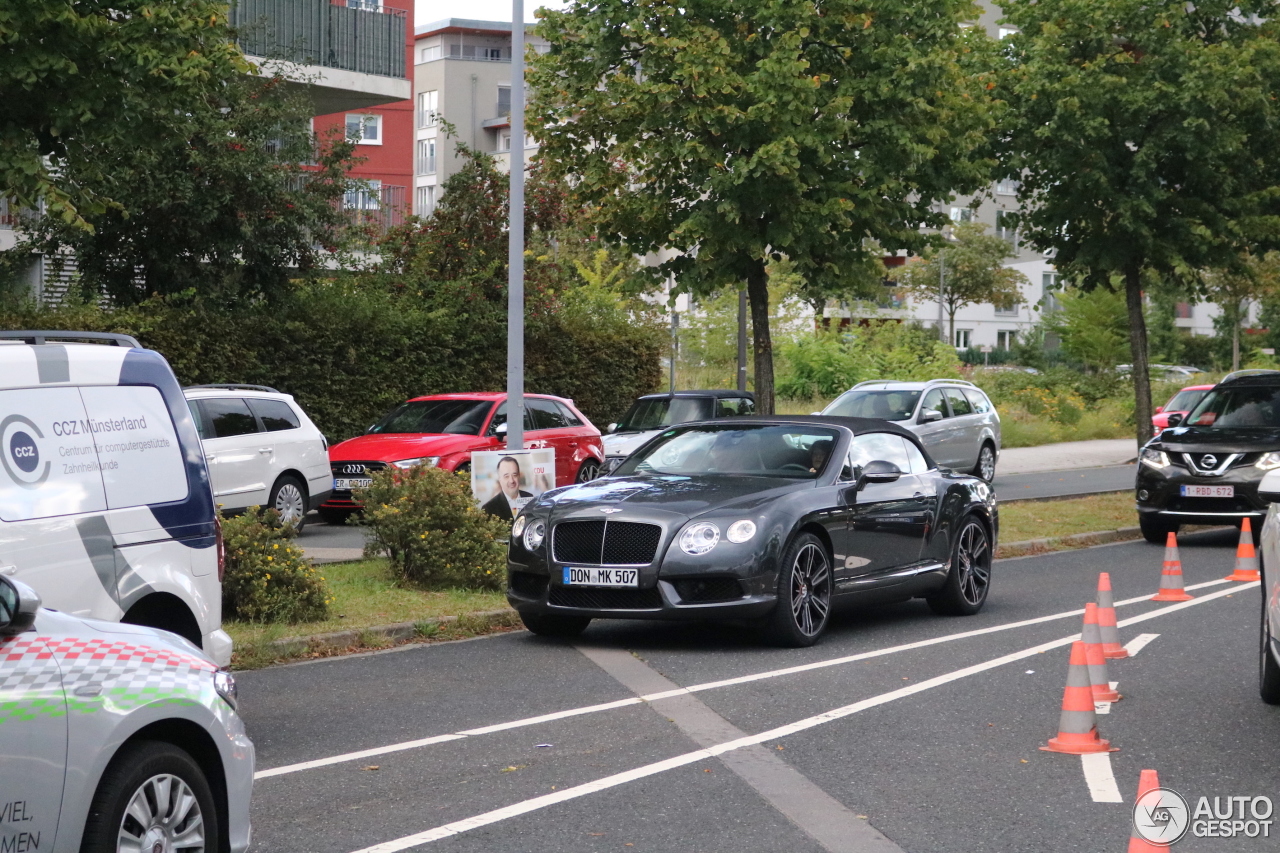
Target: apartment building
[[462, 76]]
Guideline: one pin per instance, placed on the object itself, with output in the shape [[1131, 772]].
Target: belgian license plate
[[1208, 491], [601, 577], [347, 484]]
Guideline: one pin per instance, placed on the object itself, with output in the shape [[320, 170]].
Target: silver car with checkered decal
[[115, 738]]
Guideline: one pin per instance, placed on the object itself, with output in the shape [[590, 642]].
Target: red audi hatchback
[[444, 429]]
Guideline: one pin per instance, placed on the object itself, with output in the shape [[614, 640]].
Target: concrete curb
[[1063, 543], [474, 623]]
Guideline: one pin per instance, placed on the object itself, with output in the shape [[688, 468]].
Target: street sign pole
[[515, 258]]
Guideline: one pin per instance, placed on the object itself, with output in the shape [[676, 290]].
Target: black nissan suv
[[1205, 468]]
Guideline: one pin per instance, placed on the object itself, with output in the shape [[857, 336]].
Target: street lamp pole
[[515, 233]]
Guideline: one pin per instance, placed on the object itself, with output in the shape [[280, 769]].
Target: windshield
[[457, 417], [795, 452], [658, 412], [893, 405], [1183, 401], [1225, 408]]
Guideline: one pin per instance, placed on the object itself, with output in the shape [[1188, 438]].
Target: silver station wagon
[[956, 422]]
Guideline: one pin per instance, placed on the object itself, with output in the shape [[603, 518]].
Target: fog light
[[1143, 494]]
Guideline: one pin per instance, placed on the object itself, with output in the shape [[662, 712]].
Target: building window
[[426, 157], [425, 203], [504, 101], [964, 338], [494, 53], [1006, 338], [1005, 32], [364, 128], [1007, 187], [428, 105], [1182, 310], [1048, 281], [367, 195], [431, 53], [1007, 312], [1006, 226], [961, 214]]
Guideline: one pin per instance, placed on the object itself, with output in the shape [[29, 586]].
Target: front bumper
[[664, 600], [1158, 493]]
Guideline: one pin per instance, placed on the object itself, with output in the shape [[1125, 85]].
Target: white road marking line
[[536, 803], [1100, 779], [1139, 643], [1102, 707], [711, 685]]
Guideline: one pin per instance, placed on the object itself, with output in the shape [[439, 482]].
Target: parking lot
[[900, 731]]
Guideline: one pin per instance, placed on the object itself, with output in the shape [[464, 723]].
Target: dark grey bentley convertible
[[771, 520]]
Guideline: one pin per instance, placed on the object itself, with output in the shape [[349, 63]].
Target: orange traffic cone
[[1111, 647], [1171, 577], [1246, 557], [1099, 681], [1148, 782], [1078, 725]]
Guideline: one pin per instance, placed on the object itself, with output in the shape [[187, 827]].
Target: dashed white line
[[536, 803], [1138, 643], [696, 688], [1100, 779]]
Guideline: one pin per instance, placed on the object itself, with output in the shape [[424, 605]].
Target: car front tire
[[555, 625], [969, 580], [153, 795], [589, 471], [1155, 529], [804, 594], [289, 499]]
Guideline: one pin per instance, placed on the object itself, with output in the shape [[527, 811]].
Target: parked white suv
[[262, 450], [105, 508]]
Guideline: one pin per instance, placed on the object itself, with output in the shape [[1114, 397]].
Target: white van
[[105, 504]]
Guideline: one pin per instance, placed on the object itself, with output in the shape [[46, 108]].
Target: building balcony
[[350, 54]]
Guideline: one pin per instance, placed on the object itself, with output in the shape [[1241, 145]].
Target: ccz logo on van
[[21, 454]]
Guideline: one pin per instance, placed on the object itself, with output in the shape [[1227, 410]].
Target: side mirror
[[611, 429], [928, 416], [1159, 410], [1175, 419], [878, 471], [19, 604], [500, 430]]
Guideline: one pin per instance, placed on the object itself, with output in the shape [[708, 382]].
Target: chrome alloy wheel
[[973, 562], [290, 504], [810, 590], [162, 817], [987, 463], [589, 471]]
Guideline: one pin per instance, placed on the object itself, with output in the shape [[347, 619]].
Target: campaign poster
[[504, 481]]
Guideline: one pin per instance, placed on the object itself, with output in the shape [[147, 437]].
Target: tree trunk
[[1235, 335], [758, 298], [951, 323], [1138, 352]]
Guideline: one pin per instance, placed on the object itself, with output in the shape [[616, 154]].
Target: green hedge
[[350, 353]]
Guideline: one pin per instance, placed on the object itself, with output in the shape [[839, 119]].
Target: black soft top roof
[[857, 425], [718, 393]]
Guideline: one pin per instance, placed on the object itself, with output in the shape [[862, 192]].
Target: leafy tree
[[738, 133], [1144, 137], [1092, 326], [1235, 289], [81, 82], [224, 204], [969, 271]]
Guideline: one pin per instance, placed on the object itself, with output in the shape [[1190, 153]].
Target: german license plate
[[601, 577], [1208, 491], [347, 484]]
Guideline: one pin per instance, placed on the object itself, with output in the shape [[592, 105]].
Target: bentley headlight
[[699, 538], [534, 533], [740, 531], [1158, 458], [518, 527], [1269, 461]]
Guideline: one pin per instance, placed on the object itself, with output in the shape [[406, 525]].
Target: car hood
[[685, 496], [624, 443], [389, 448], [1228, 440]]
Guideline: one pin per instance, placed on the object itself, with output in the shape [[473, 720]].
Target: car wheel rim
[[987, 464], [588, 471], [810, 590], [289, 505], [973, 563], [162, 817]]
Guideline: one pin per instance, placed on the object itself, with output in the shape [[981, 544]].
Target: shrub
[[434, 535], [267, 579], [831, 361]]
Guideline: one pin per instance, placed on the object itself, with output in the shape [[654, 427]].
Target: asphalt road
[[1057, 484], [933, 748]]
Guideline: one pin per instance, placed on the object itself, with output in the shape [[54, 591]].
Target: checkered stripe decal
[[95, 674]]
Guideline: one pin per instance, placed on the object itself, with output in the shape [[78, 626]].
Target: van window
[[49, 465], [276, 415], [141, 460], [229, 417]]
